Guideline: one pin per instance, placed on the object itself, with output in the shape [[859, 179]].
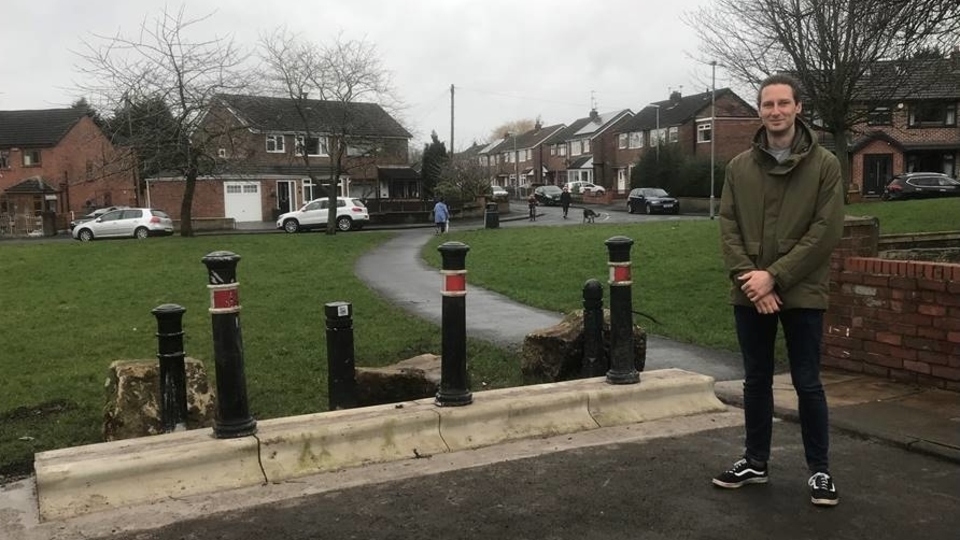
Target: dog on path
[[589, 215]]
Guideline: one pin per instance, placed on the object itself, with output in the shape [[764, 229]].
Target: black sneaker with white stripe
[[822, 490], [740, 474]]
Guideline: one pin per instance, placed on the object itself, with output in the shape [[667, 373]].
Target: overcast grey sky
[[509, 59]]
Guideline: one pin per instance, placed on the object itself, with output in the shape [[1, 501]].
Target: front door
[[877, 172], [286, 196]]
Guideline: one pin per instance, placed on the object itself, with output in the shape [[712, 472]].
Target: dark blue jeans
[[803, 331]]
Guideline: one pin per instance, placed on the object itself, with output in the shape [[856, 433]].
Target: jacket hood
[[804, 141]]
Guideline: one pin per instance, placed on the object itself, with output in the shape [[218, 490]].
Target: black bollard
[[233, 411], [173, 373], [622, 366], [593, 361], [341, 377], [453, 362]]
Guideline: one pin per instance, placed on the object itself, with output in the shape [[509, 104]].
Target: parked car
[[125, 223], [652, 200], [499, 192], [920, 185], [548, 195], [585, 188], [352, 215], [94, 215]]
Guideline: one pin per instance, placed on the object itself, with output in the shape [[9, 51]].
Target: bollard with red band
[[454, 385], [233, 411], [622, 365]]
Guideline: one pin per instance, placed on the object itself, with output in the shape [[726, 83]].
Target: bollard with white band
[[454, 385], [622, 365], [233, 411]]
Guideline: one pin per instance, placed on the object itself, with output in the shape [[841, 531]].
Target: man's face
[[778, 110]]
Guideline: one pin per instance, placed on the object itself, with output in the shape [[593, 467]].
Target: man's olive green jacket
[[784, 218]]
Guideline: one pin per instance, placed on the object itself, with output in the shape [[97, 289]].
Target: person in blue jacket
[[441, 215]]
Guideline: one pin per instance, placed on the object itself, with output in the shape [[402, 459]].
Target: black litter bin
[[49, 222], [491, 217]]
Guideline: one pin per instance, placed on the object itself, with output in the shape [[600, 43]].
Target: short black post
[[173, 372], [593, 361], [453, 362], [341, 378], [622, 366], [233, 410]]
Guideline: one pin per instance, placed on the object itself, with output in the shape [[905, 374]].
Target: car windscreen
[[550, 190], [655, 192]]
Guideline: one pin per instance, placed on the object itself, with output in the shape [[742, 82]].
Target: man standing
[[565, 201], [781, 215]]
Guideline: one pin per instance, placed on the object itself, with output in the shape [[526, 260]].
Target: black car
[[548, 195], [920, 185], [652, 200]]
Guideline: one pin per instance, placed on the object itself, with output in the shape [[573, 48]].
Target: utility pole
[[713, 130], [450, 153]]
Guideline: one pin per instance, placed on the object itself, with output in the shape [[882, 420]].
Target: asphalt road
[[658, 489]]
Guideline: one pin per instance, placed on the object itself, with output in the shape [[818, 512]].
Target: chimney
[[675, 97], [594, 115], [538, 125]]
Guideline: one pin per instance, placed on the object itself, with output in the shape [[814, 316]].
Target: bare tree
[[162, 64], [349, 83], [845, 53], [514, 126]]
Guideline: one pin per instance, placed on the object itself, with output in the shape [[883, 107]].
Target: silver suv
[[351, 215]]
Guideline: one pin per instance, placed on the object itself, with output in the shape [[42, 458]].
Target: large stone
[[413, 378], [556, 353], [133, 399]]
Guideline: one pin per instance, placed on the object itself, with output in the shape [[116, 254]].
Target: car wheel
[[291, 226], [85, 235], [676, 210], [141, 233], [344, 223], [629, 208], [649, 209]]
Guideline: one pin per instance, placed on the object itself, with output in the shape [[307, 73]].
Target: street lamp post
[[516, 160], [713, 130]]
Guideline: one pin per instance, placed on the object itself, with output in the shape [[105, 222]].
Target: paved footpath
[[396, 271]]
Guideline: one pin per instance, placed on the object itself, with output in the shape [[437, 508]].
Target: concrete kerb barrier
[[76, 481]]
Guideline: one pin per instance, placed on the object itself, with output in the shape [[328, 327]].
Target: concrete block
[[660, 394], [315, 443], [84, 479]]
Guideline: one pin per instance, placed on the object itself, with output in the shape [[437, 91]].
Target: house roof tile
[[672, 112], [32, 185], [36, 128]]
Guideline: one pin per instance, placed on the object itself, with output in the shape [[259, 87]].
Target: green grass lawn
[[70, 309]]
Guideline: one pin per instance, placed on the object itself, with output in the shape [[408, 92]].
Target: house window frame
[[562, 149], [585, 146], [635, 139], [880, 115], [4, 159], [31, 158], [278, 143], [704, 131], [947, 110], [673, 134], [322, 146], [623, 141]]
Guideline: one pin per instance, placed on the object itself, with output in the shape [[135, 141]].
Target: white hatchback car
[[125, 223], [352, 215], [585, 188]]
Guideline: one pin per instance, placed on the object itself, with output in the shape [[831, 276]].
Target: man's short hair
[[781, 78]]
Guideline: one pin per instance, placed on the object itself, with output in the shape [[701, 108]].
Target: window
[[553, 149], [308, 190], [674, 134], [31, 158], [636, 139], [4, 159], [314, 146], [275, 144], [933, 114], [704, 132], [576, 148], [562, 148], [250, 188], [622, 141], [234, 188], [880, 116], [362, 150], [221, 152], [586, 146]]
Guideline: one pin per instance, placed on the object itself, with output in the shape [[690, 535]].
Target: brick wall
[[896, 319]]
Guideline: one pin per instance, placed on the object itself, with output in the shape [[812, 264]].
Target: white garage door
[[241, 201]]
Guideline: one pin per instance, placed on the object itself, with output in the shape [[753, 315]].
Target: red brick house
[[909, 129], [519, 158], [57, 161], [688, 121], [261, 172]]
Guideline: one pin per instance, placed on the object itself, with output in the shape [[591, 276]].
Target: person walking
[[565, 201], [781, 215], [441, 215], [532, 205]]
